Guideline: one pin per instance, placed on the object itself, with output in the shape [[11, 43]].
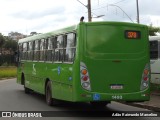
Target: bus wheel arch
[[48, 93], [22, 78], [26, 90]]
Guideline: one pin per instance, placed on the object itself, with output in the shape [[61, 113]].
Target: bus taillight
[[85, 78], [84, 71], [145, 78], [85, 81], [146, 71]]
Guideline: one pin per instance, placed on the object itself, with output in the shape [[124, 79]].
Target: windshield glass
[[154, 49]]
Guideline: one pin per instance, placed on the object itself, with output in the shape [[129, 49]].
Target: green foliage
[[7, 72], [10, 45], [2, 40], [7, 44], [7, 60], [153, 30]]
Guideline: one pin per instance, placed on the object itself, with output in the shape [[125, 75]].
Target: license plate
[[116, 87]]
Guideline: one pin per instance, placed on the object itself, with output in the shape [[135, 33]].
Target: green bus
[[96, 62]]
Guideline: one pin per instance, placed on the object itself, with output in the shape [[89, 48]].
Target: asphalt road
[[13, 98]]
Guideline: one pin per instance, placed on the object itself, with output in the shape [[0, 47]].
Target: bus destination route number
[[132, 34]]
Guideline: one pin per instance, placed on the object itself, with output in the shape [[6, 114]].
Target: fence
[[7, 60]]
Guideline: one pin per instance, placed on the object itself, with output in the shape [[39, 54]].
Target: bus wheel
[[26, 90], [48, 93], [99, 103]]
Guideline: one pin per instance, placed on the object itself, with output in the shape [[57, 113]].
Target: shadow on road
[[70, 109]]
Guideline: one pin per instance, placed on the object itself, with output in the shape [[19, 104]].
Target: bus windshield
[[154, 49]]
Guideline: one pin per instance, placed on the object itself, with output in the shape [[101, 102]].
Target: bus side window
[[49, 49], [36, 50], [42, 47], [59, 49], [30, 51], [20, 51], [70, 48], [24, 53], [54, 39], [158, 49]]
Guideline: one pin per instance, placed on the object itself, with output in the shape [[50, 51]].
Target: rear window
[[154, 49]]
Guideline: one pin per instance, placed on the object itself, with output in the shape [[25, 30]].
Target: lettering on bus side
[[34, 70]]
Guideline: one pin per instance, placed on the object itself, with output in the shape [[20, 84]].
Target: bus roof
[[152, 38], [115, 23], [49, 34], [73, 28]]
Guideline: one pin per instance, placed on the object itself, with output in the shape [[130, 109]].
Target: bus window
[[154, 49], [59, 49], [158, 49], [54, 40], [70, 48], [20, 50], [24, 46], [36, 50], [60, 41], [50, 44], [24, 53], [49, 51], [30, 50], [42, 47]]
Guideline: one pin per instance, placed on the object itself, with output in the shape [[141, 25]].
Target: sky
[[41, 16]]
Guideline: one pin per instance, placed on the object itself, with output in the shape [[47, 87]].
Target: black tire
[[22, 79], [48, 93], [26, 90], [99, 103]]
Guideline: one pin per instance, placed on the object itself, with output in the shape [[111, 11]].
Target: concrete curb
[[142, 105], [4, 78]]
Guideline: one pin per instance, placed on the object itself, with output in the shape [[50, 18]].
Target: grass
[[8, 72]]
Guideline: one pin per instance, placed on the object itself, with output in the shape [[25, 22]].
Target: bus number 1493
[[117, 97]]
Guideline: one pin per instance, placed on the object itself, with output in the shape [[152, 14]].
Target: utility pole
[[137, 12], [89, 11]]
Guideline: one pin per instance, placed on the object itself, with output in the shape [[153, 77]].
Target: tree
[[2, 41], [33, 33], [10, 45], [153, 30]]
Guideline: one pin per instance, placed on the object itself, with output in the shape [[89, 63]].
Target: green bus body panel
[[110, 58], [113, 59], [61, 81], [37, 73]]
